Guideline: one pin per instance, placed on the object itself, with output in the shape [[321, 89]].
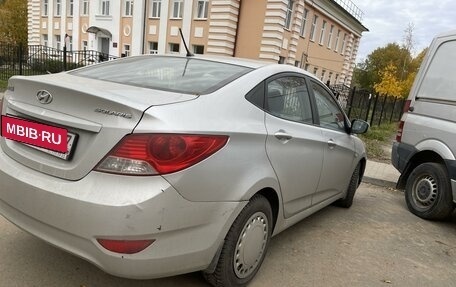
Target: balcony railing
[[351, 8]]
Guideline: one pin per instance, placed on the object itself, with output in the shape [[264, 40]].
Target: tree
[[13, 21], [389, 83]]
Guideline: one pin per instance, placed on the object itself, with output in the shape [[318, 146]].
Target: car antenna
[[189, 54]]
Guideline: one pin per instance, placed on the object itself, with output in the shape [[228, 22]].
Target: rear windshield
[[183, 75]]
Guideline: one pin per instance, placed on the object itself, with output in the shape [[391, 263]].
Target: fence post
[[394, 107], [20, 54], [373, 110], [383, 107], [64, 58], [351, 101]]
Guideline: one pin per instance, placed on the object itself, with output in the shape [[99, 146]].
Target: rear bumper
[[72, 214], [401, 154]]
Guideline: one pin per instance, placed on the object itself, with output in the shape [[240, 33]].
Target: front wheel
[[428, 192], [347, 201], [245, 245]]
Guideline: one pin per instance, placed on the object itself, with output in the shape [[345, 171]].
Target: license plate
[[55, 141]]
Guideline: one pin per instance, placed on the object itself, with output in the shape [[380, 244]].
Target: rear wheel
[[428, 192], [245, 245]]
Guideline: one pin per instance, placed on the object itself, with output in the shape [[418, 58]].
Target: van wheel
[[428, 192], [347, 201], [245, 245]]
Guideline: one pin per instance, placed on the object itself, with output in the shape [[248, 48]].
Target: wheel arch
[[417, 159]]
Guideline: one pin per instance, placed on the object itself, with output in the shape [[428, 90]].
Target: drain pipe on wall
[[237, 28]]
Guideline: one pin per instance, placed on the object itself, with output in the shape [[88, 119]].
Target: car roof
[[446, 34]]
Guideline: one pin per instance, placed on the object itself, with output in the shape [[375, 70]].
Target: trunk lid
[[100, 113]]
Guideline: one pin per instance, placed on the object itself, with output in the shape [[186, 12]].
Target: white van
[[425, 147]]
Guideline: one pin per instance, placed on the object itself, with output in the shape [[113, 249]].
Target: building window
[[45, 8], [174, 48], [85, 45], [303, 23], [201, 9], [155, 9], [126, 50], [297, 63], [322, 33], [69, 43], [336, 44], [330, 77], [281, 60], [85, 7], [198, 49], [44, 40], [289, 14], [337, 78], [323, 73], [104, 7], [315, 71], [306, 67], [58, 42], [153, 47], [70, 8], [58, 8], [178, 7], [128, 8], [330, 36], [342, 48], [303, 59], [312, 29]]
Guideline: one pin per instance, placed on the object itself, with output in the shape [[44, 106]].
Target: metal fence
[[38, 59]]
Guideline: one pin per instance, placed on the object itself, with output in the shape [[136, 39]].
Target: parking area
[[375, 243]]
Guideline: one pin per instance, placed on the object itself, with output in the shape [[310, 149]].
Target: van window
[[439, 81]]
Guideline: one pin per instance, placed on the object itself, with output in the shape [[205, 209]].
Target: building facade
[[320, 36]]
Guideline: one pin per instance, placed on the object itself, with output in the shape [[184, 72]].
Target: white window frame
[[44, 40], [179, 4], [155, 8], [85, 8], [151, 49], [342, 48], [303, 23], [322, 32], [331, 30], [45, 7], [336, 44], [128, 8], [202, 13], [70, 8], [313, 28], [126, 50], [58, 42], [58, 8], [105, 7], [288, 18]]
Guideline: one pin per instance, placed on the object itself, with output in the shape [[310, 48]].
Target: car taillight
[[399, 131], [407, 106], [125, 246], [153, 154]]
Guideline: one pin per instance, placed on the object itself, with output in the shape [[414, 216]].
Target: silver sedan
[[153, 166]]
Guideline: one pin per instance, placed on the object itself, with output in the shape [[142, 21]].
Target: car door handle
[[283, 136], [332, 144]]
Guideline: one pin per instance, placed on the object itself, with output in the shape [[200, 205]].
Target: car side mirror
[[359, 127]]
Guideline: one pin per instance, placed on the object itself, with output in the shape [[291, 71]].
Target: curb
[[379, 182]]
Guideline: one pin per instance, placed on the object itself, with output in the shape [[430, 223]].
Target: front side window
[[177, 8], [175, 74], [58, 8], [45, 8], [155, 8], [128, 7], [289, 14], [329, 113], [201, 9], [312, 29], [104, 7], [288, 98]]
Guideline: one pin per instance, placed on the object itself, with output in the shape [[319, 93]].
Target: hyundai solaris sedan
[[152, 166]]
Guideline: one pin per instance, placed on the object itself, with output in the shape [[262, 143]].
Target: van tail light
[[399, 131], [157, 154], [125, 246], [407, 106]]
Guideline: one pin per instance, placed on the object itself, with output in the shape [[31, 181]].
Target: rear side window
[[182, 75], [439, 81]]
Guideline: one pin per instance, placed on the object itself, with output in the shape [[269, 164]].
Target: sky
[[387, 20]]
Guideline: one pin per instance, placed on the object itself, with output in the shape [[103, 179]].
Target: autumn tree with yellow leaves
[[13, 21]]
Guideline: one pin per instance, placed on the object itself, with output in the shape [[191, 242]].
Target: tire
[[428, 192], [347, 201], [239, 270]]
